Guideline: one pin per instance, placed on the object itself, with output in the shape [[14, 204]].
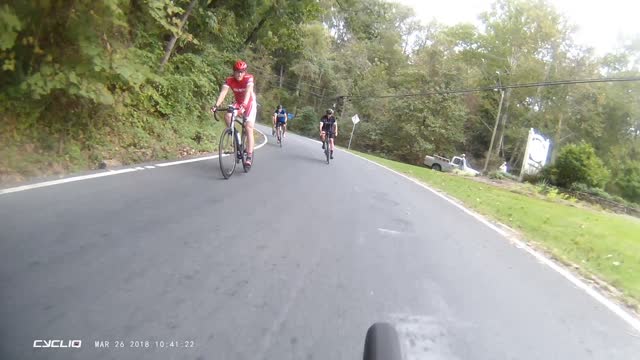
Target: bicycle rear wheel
[[245, 144], [382, 343], [227, 154]]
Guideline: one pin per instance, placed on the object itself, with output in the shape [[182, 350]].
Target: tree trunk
[[281, 73], [515, 153], [556, 140], [174, 38], [254, 32]]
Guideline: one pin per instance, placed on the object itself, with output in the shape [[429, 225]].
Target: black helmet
[[329, 111], [279, 106]]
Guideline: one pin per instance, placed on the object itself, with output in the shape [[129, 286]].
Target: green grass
[[602, 244]]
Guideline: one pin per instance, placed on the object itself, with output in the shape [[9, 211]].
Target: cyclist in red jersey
[[241, 83]]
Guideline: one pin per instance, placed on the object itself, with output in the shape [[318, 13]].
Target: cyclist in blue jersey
[[280, 117]]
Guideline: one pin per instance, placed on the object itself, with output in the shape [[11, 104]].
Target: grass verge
[[596, 243]]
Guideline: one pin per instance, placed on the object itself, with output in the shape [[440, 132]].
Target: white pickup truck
[[440, 163]]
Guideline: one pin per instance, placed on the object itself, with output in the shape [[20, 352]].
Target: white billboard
[[535, 154]]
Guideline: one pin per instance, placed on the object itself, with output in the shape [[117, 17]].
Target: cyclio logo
[[76, 344]]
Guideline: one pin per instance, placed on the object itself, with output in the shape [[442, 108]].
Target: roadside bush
[[578, 163], [531, 178], [547, 175], [590, 190], [579, 187], [499, 175]]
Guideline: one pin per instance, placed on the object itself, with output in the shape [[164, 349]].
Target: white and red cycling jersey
[[239, 89]]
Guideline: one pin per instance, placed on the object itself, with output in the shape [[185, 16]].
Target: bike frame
[[238, 138]]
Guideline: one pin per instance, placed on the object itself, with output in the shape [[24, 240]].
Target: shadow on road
[[319, 159], [272, 143], [210, 169]]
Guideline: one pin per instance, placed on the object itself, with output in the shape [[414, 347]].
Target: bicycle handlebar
[[230, 109]]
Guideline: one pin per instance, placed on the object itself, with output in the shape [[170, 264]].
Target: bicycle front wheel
[[227, 153], [382, 343]]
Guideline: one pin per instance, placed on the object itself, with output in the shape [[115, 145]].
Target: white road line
[[388, 231], [67, 180], [630, 319], [112, 172], [209, 157], [187, 161]]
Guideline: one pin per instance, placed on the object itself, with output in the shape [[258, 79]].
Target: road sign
[[355, 120]]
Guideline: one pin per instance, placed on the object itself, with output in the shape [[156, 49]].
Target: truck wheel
[[436, 167]]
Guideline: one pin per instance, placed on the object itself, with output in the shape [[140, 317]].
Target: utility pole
[[495, 128]]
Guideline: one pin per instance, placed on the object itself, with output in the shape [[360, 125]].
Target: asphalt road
[[291, 261]]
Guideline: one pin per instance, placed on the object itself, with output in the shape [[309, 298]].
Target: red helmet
[[240, 66]]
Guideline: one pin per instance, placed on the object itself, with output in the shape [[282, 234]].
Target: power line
[[499, 87], [568, 82]]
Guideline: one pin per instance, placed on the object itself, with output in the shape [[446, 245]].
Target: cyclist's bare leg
[[249, 128], [331, 143]]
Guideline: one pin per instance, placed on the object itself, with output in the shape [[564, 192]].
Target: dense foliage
[[132, 80]]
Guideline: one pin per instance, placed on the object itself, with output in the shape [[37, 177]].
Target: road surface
[[291, 261]]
